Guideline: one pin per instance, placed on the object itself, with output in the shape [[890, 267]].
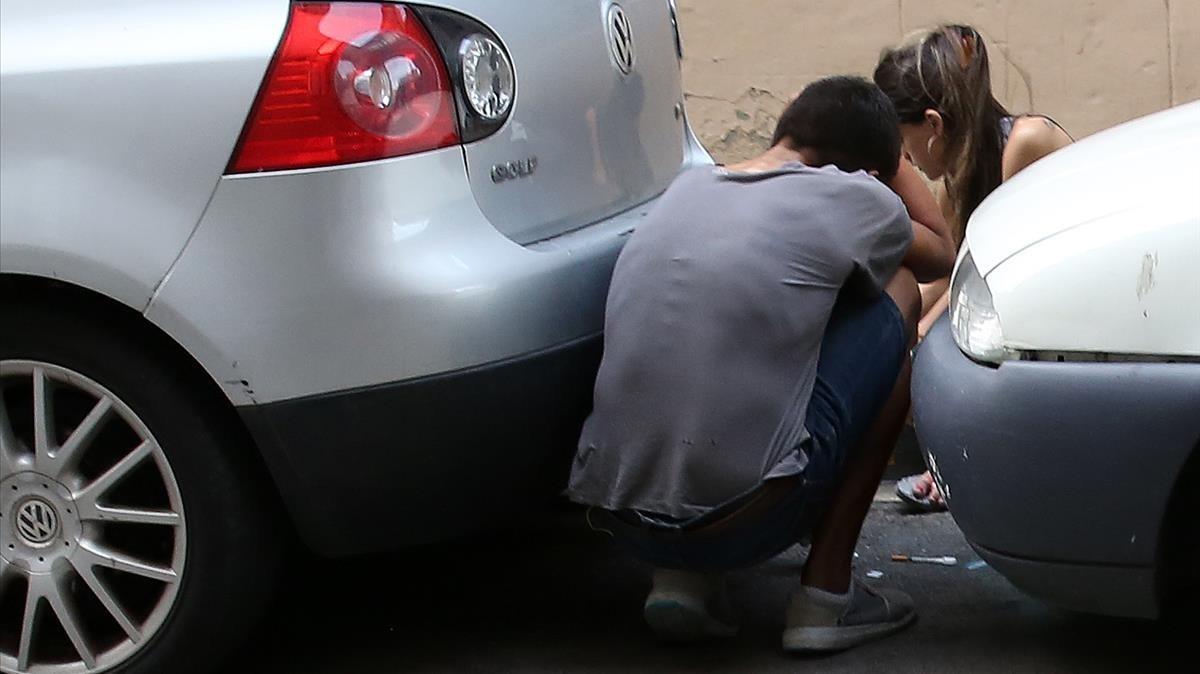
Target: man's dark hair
[[848, 122]]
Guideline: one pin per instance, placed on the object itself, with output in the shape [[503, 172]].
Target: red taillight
[[352, 81]]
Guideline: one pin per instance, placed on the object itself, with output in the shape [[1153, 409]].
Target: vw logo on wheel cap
[[37, 523], [620, 39]]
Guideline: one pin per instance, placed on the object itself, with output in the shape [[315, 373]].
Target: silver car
[[337, 268]]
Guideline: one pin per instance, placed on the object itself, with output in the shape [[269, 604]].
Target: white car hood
[[1131, 167]]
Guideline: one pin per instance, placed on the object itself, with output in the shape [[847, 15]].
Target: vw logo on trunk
[[620, 39], [37, 523]]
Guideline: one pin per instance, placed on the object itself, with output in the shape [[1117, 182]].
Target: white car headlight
[[973, 320]]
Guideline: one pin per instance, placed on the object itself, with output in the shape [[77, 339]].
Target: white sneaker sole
[[828, 639], [675, 620]]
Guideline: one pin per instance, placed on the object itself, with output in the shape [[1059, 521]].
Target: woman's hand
[[931, 256], [935, 299]]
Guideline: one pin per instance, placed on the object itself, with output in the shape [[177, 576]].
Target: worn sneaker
[[821, 622], [688, 606]]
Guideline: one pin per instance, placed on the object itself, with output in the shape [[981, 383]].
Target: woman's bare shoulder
[[1031, 139]]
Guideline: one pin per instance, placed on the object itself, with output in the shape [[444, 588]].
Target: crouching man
[[755, 372]]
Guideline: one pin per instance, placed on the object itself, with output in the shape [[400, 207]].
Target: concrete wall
[[1090, 64]]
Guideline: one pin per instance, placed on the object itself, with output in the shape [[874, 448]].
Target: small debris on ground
[[916, 559]]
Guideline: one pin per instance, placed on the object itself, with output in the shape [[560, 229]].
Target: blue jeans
[[862, 353]]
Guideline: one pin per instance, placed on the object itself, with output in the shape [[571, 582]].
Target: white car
[[1059, 405]]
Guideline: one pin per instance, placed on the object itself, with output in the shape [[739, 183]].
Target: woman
[[955, 131]]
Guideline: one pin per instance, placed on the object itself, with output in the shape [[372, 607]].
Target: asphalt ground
[[548, 595]]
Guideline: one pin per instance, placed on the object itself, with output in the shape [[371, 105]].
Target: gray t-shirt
[[713, 327]]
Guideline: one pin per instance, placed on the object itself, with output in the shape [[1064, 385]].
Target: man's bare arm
[[932, 253]]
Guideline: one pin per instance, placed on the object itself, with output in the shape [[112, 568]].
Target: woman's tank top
[[1006, 127]]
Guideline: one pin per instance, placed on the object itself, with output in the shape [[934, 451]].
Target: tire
[[221, 544], [1179, 591]]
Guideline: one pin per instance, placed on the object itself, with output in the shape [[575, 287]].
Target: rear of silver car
[[381, 233], [433, 318]]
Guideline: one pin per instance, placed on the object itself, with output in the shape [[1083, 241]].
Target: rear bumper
[[431, 458], [406, 369], [1066, 465]]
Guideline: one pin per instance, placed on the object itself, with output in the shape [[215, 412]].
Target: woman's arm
[[931, 255], [1032, 138]]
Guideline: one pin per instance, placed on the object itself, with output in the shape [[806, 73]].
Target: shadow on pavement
[[551, 596]]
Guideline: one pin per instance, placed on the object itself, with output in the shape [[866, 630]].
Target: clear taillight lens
[[487, 77], [974, 322], [351, 82]]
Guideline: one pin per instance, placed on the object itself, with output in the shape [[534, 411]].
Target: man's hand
[[931, 256]]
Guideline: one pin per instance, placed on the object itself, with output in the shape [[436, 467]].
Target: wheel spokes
[[32, 598], [94, 554], [47, 588], [102, 513], [6, 569], [9, 449], [64, 458], [110, 603], [43, 419], [87, 497], [65, 611]]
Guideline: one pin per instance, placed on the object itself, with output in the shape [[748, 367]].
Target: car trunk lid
[[584, 139]]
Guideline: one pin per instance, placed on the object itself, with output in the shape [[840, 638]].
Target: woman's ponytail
[[947, 70]]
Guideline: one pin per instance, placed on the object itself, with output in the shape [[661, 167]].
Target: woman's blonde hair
[[947, 70]]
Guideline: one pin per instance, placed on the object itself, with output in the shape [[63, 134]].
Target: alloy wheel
[[92, 531]]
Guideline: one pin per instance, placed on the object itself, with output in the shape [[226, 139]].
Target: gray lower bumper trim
[[1127, 591], [1073, 462]]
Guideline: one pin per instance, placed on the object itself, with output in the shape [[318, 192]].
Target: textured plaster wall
[[1090, 64]]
